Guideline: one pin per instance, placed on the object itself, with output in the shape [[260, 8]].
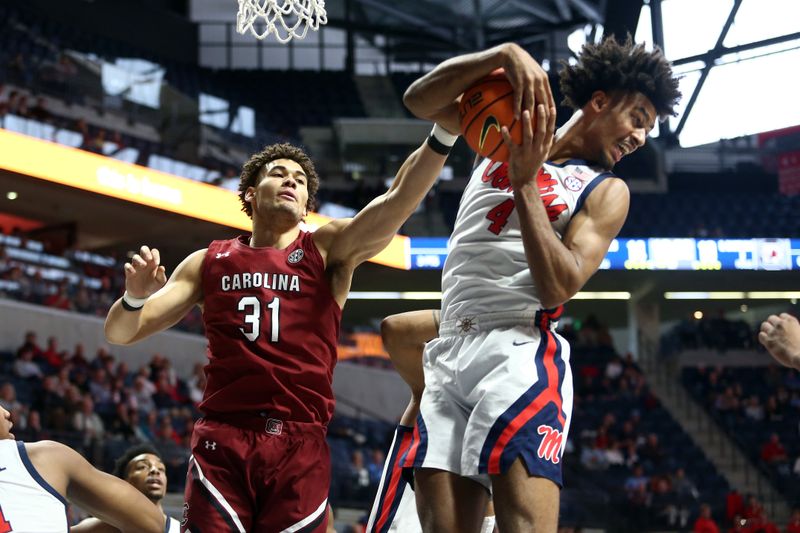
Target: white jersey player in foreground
[[37, 479], [498, 390]]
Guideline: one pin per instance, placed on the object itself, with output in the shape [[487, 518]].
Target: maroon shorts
[[255, 474]]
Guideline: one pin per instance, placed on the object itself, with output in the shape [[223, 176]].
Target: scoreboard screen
[[660, 254]]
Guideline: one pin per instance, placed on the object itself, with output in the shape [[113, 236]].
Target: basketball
[[484, 109]]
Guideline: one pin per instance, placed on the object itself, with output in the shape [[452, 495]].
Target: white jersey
[[173, 526], [486, 270], [28, 504]]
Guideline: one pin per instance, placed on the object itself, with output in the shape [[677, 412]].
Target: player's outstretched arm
[[93, 525], [780, 335], [109, 498], [435, 95], [351, 242], [404, 337], [560, 267], [167, 301]]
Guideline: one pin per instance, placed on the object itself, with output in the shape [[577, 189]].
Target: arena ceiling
[[428, 27]]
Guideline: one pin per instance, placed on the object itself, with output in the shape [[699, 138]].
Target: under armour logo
[[211, 445], [225, 254], [274, 426]]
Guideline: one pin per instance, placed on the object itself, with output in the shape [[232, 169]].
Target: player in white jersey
[[142, 467], [37, 479], [529, 234]]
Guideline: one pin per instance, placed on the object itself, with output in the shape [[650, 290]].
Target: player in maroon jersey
[[271, 303]]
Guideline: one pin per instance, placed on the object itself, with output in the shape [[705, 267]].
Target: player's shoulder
[[325, 235], [49, 452]]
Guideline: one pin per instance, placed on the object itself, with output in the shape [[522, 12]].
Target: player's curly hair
[[121, 464], [252, 170], [627, 67]]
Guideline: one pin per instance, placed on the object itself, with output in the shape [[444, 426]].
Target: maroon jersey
[[272, 326]]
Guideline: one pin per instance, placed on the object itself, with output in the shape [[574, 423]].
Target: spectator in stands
[[32, 430], [663, 500], [52, 359], [8, 399], [40, 112], [705, 523], [753, 409], [774, 412], [375, 466], [78, 359], [651, 452], [40, 289], [88, 422], [773, 451], [794, 522], [734, 505], [685, 495], [358, 477], [49, 403], [60, 299], [97, 142], [614, 368], [25, 367], [30, 343], [638, 498], [780, 335]]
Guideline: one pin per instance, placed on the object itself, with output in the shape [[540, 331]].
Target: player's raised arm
[[108, 498], [351, 242], [151, 302], [435, 95], [560, 266]]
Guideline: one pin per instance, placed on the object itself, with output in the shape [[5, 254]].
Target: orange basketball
[[484, 109]]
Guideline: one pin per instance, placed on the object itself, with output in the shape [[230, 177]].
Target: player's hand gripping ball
[[486, 107]]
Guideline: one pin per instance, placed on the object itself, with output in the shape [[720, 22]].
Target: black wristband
[[128, 307], [437, 146]]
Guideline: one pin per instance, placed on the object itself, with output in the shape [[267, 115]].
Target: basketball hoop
[[287, 19]]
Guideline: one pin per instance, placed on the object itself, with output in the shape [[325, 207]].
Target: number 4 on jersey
[[5, 525], [499, 216], [252, 307]]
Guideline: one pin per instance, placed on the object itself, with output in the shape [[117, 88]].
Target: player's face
[[621, 124], [283, 187], [147, 473], [5, 424]]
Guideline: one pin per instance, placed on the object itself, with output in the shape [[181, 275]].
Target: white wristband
[[443, 136], [136, 303]]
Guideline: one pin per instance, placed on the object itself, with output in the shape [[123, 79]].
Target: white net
[[287, 19]]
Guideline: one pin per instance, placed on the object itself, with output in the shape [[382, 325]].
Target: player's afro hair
[[252, 171], [121, 464], [624, 67]]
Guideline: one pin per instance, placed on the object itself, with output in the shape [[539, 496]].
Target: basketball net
[[287, 19]]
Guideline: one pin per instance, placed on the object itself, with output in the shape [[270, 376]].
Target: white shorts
[[497, 387], [395, 507]]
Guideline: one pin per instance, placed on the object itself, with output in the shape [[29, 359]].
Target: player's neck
[[569, 140], [272, 237]]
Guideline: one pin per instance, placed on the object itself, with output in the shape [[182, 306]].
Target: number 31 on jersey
[[251, 306]]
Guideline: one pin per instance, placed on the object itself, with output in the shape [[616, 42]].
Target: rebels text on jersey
[[486, 270], [272, 326]]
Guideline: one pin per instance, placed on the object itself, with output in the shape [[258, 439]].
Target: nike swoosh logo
[[2, 468], [489, 123], [517, 343]]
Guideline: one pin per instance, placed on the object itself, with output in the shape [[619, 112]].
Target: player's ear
[[249, 193], [599, 101]]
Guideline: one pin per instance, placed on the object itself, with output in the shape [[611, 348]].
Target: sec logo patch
[[573, 184]]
